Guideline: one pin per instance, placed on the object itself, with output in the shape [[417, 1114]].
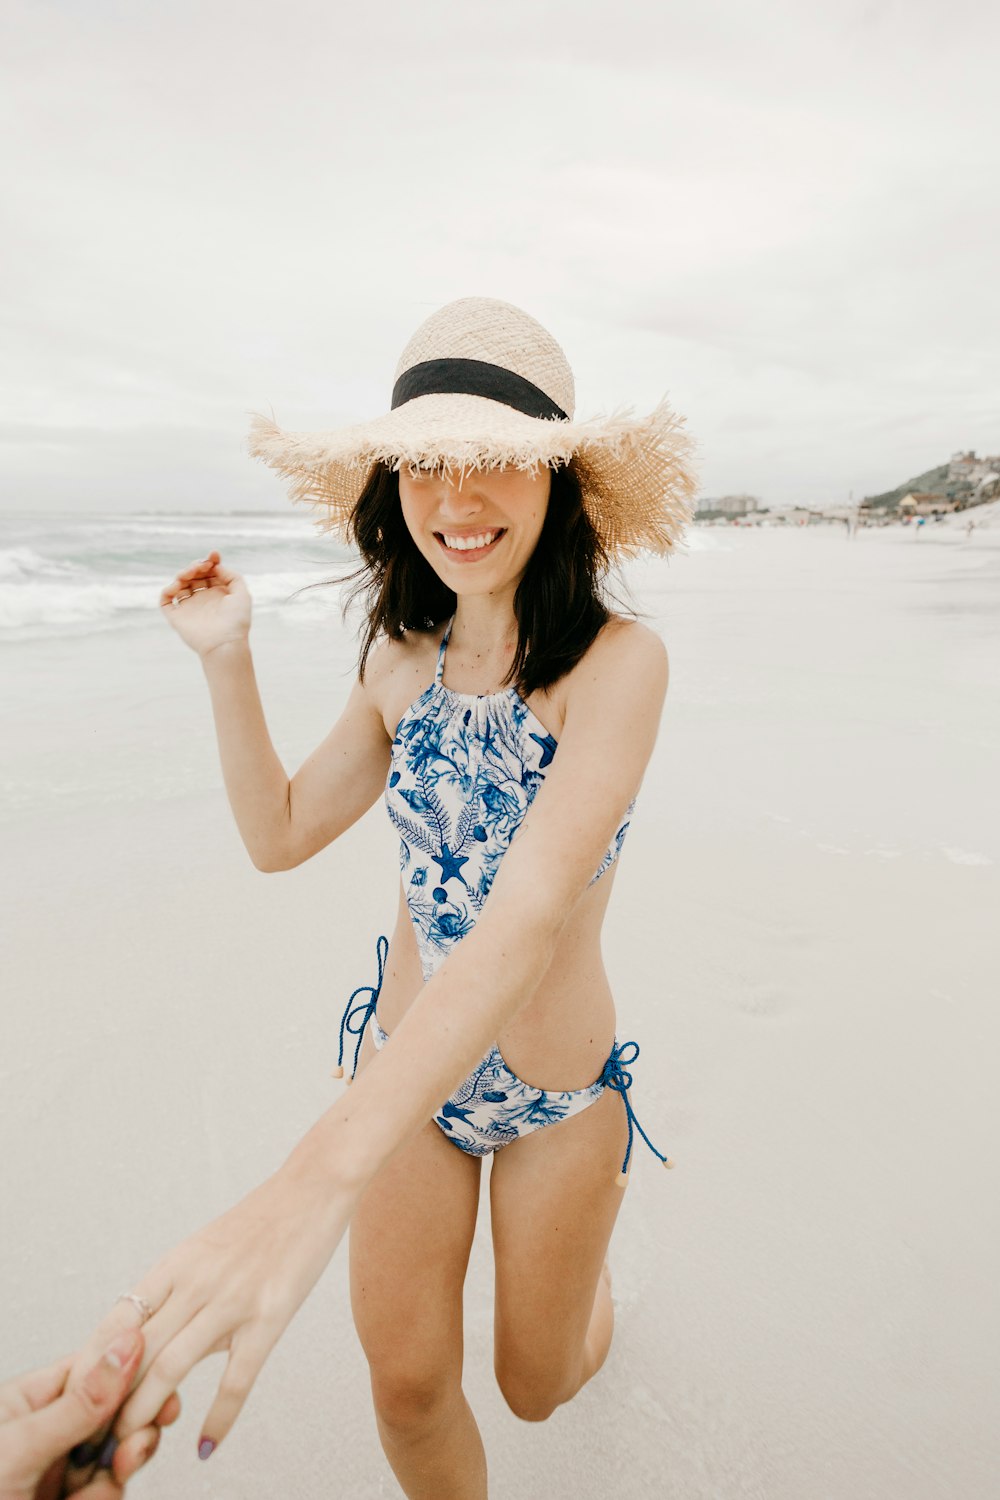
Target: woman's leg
[[410, 1239], [554, 1200]]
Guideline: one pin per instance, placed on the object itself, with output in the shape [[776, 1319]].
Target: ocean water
[[101, 702], [66, 575], [72, 574]]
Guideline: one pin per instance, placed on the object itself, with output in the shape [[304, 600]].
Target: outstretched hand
[[236, 1285], [45, 1426]]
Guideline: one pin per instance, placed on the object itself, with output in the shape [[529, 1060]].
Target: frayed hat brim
[[637, 474]]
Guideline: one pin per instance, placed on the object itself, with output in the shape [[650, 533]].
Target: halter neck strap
[[439, 670]]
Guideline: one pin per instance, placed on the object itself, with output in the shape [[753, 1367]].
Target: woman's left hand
[[236, 1285]]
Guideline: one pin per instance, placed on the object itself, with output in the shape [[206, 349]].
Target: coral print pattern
[[464, 770], [493, 1106]]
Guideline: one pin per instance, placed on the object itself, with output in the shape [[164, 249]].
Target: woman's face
[[478, 529]]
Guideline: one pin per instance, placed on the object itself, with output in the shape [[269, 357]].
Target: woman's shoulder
[[398, 671], [624, 653], [622, 644]]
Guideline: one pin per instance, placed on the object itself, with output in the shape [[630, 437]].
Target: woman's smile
[[469, 546]]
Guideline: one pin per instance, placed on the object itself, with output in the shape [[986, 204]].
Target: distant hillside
[[934, 482]]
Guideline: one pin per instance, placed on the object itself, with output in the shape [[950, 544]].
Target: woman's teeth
[[469, 543]]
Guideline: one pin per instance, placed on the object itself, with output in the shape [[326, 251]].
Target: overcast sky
[[784, 216]]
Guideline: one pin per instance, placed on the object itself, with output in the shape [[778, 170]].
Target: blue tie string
[[617, 1076], [616, 1073], [364, 1009]]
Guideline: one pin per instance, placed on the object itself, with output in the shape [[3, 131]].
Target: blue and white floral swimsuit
[[465, 768]]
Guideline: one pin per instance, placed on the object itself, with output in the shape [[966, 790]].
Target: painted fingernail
[[206, 1448], [120, 1352], [107, 1453]]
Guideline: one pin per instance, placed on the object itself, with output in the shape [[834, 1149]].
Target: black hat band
[[474, 377]]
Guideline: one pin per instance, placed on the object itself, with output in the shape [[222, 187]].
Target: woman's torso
[[562, 1036]]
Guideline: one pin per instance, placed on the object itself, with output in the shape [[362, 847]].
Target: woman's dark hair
[[559, 603]]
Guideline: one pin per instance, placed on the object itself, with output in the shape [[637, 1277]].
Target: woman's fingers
[[203, 565], [169, 1411], [185, 587], [248, 1351], [123, 1318], [138, 1449], [203, 569], [209, 573], [134, 1452], [154, 1290], [127, 1458], [226, 575], [174, 1357]]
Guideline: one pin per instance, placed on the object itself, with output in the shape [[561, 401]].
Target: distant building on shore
[[966, 468], [800, 515], [728, 505], [920, 503]]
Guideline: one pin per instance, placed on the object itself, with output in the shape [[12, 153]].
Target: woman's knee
[[411, 1394], [533, 1395]]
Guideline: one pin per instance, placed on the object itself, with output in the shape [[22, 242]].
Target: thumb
[[55, 1429]]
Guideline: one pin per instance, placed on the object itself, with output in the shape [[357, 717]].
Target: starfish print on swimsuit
[[451, 865]]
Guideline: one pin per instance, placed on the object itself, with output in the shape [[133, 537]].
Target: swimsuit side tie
[[617, 1076], [364, 1009]]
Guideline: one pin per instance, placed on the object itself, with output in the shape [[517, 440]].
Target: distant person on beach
[[970, 527], [506, 715]]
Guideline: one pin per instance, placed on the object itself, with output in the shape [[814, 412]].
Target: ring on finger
[[145, 1310]]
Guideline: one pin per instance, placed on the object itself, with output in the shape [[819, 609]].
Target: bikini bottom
[[493, 1107]]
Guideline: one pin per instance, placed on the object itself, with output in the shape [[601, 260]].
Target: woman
[[507, 716]]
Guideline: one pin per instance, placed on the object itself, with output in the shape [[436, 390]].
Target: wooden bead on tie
[[337, 1072], [670, 1162], [622, 1179]]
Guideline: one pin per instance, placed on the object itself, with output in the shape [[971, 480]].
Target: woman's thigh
[[554, 1198], [410, 1239]]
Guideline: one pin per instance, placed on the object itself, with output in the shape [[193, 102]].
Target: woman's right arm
[[281, 821]]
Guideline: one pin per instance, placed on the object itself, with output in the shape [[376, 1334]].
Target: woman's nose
[[458, 497]]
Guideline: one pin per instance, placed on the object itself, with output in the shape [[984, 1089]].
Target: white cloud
[[786, 219]]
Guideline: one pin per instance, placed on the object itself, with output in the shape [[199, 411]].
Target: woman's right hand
[[236, 1285], [208, 605]]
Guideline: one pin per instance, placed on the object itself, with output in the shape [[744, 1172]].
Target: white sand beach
[[803, 939]]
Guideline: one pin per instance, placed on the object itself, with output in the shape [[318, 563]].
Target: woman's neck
[[485, 626]]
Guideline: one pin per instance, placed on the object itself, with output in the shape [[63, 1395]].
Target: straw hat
[[483, 385]]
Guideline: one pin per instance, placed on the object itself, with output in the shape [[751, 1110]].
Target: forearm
[[449, 1028], [256, 781]]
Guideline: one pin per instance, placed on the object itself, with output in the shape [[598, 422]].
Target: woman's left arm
[[238, 1283]]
